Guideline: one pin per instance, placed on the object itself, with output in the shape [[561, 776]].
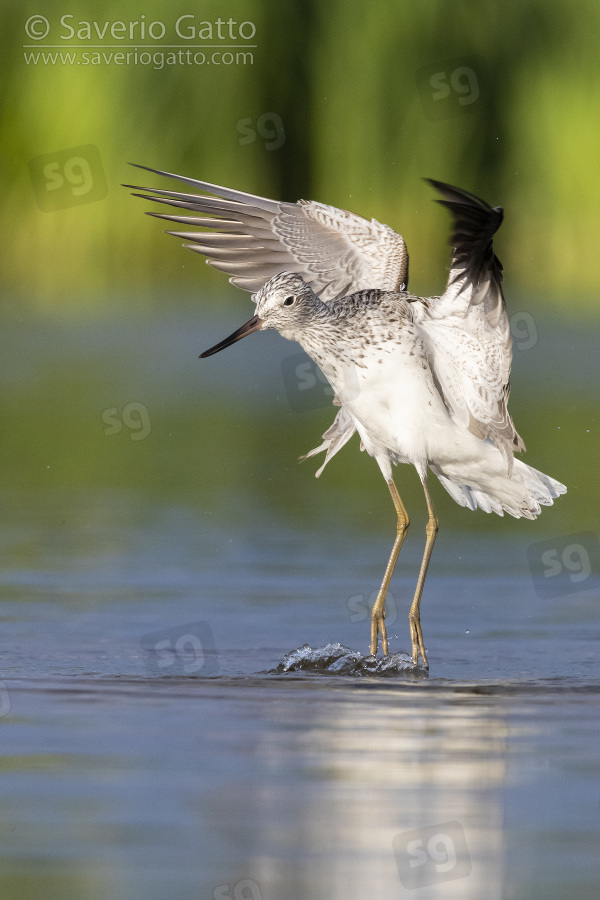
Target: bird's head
[[286, 303]]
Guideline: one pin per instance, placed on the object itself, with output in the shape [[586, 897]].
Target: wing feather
[[467, 331], [335, 251]]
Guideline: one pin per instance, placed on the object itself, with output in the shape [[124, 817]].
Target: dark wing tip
[[457, 195], [475, 223]]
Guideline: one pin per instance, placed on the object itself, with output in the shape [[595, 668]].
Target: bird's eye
[[288, 301]]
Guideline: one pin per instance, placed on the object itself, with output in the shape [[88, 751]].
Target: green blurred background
[[342, 102]]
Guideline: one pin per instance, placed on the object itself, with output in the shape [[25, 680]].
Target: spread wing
[[252, 238], [467, 331]]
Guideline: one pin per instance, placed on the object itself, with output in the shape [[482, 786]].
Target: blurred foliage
[[353, 87]]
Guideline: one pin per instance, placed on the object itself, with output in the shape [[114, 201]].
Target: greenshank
[[423, 380]]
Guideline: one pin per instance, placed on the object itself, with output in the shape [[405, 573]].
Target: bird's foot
[[418, 644], [377, 628]]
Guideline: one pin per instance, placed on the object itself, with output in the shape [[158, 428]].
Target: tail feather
[[522, 494]]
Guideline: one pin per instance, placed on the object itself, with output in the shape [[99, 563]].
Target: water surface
[[151, 586]]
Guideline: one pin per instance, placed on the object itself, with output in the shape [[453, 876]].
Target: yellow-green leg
[[378, 612], [414, 616]]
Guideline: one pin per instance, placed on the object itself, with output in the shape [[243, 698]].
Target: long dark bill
[[253, 324]]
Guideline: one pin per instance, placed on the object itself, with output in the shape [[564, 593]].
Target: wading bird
[[423, 380]]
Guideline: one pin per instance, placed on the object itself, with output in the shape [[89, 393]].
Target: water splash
[[335, 659]]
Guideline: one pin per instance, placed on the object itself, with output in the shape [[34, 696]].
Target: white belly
[[396, 406]]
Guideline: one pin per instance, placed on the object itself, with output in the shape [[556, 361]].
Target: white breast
[[392, 398]]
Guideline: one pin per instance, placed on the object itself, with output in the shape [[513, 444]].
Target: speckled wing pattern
[[252, 238], [466, 330]]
